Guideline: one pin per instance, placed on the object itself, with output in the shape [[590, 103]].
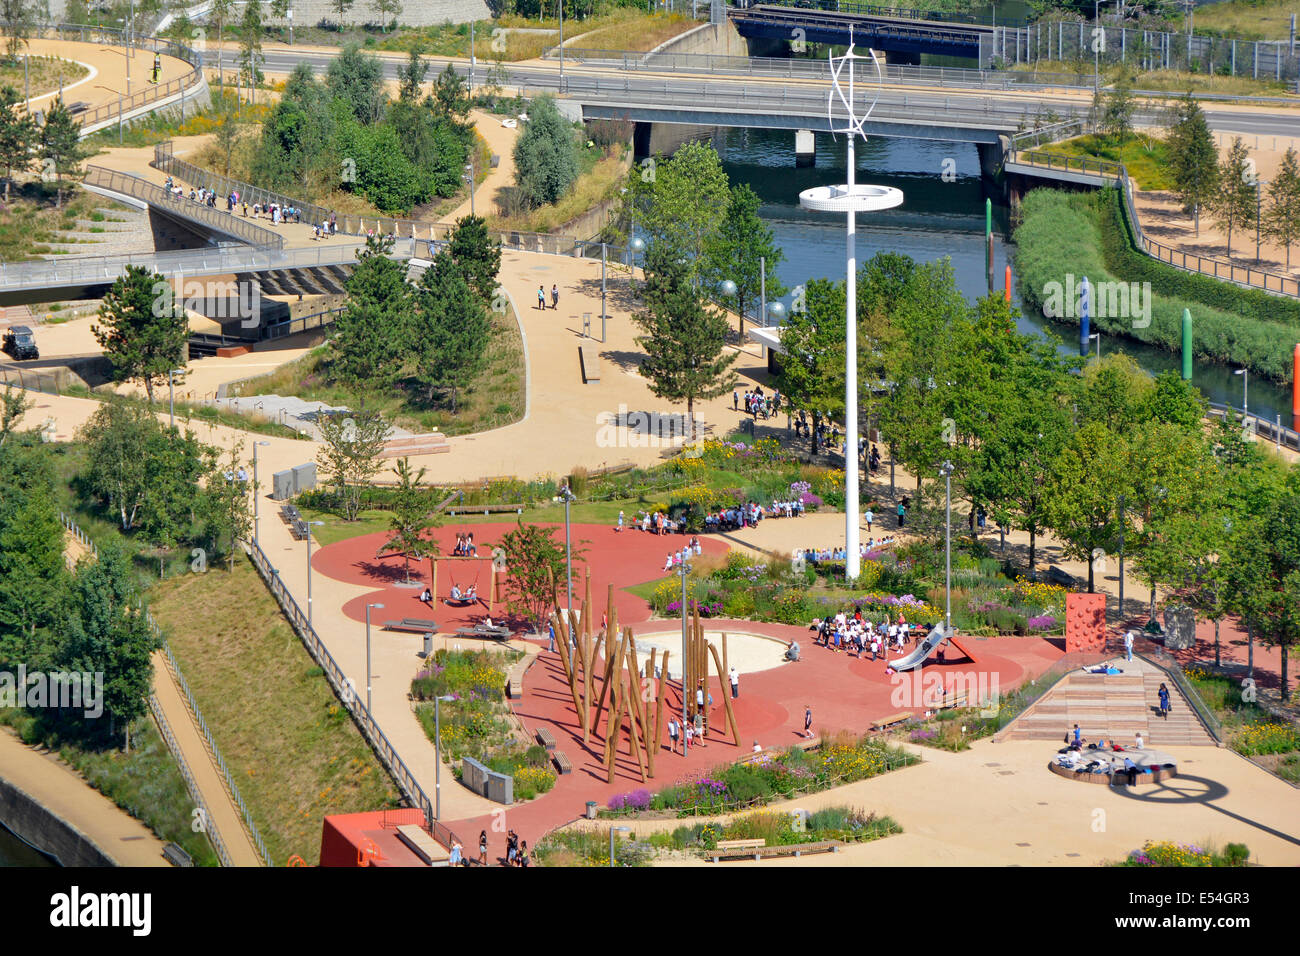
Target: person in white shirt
[[1137, 744], [1128, 646]]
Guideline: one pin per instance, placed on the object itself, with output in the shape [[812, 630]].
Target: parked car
[[20, 343]]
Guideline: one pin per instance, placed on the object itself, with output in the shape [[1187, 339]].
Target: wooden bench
[[485, 510], [562, 764], [764, 852], [1062, 577], [590, 360], [546, 738], [495, 633], [950, 702], [411, 624], [885, 723]]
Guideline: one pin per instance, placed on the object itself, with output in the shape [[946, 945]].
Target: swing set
[[494, 587]]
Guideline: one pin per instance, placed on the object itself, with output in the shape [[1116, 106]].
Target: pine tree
[[1194, 158], [683, 341], [61, 147], [1235, 202], [477, 255], [451, 332], [370, 335], [143, 332], [1282, 219], [18, 132]]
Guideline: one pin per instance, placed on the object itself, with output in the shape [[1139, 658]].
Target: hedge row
[[1064, 233]]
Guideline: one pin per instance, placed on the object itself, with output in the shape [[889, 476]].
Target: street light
[[437, 755], [255, 494], [1097, 336], [946, 470], [684, 571], [307, 538], [171, 395], [368, 607], [1245, 383], [469, 178], [612, 831], [1096, 55], [561, 45]]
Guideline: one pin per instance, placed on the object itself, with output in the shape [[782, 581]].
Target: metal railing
[[347, 694], [213, 218], [303, 323], [174, 668], [1275, 432], [151, 94], [1162, 659], [209, 825]]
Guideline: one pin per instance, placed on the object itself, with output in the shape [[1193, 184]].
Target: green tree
[[410, 77], [1194, 158], [453, 329], [477, 255], [60, 146], [32, 571], [1282, 219], [679, 202], [340, 7], [451, 97], [229, 513], [19, 19], [1082, 494], [412, 518], [1235, 201], [546, 155], [1176, 401], [370, 335], [811, 372], [219, 14], [1117, 109], [535, 561], [226, 132], [141, 329], [387, 11], [18, 132], [349, 455], [358, 79], [13, 405], [737, 250], [1116, 393], [684, 344]]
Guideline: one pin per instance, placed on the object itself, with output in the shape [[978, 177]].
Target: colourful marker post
[[988, 240], [1187, 345], [1007, 291], [1295, 388], [1084, 328]]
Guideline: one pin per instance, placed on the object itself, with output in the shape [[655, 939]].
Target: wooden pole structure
[[433, 578], [704, 647], [659, 705], [726, 697], [563, 645], [635, 716], [611, 734], [651, 738], [725, 665], [613, 684], [634, 672], [611, 620]]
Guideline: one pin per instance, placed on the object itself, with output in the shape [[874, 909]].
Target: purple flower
[[1044, 622], [618, 801]]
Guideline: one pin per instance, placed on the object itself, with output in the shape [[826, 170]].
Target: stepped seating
[[433, 443], [1113, 706]]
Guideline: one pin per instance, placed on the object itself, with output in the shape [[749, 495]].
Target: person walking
[[541, 297], [482, 848], [735, 683], [735, 401], [870, 516], [1164, 701], [672, 734], [555, 296], [1128, 646], [807, 722], [902, 514]]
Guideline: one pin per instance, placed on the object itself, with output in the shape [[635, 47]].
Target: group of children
[[856, 634], [865, 548], [756, 403], [677, 558]]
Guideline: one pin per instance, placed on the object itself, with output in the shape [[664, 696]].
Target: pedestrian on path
[[1164, 701], [482, 848], [541, 297], [555, 296], [672, 734], [870, 516], [735, 684], [807, 722], [1128, 646], [902, 514]]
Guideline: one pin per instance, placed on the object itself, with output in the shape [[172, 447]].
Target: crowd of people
[[274, 211], [858, 635], [841, 553], [757, 404], [682, 555]]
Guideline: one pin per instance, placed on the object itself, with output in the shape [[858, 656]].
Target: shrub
[[1267, 738]]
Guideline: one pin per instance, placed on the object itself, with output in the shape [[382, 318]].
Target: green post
[[988, 241], [988, 217], [1187, 345]]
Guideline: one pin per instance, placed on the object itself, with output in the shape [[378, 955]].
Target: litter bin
[[428, 644], [591, 809]]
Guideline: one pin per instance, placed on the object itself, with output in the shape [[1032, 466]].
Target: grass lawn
[[496, 398], [290, 745], [44, 73], [1171, 81], [601, 177], [1146, 157], [30, 220], [1245, 19]]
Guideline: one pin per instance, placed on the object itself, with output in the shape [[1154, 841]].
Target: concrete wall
[[25, 816], [707, 38]]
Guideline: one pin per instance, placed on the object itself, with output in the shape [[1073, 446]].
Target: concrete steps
[[1114, 706], [433, 443]]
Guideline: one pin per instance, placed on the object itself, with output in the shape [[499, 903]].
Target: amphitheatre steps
[[433, 443], [1114, 706]]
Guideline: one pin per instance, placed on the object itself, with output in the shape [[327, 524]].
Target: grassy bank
[[291, 747], [495, 398], [1171, 81], [1082, 234], [30, 219], [1245, 19], [41, 74], [146, 782], [1145, 157], [601, 177]]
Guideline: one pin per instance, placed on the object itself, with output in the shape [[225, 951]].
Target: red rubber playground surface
[[845, 693]]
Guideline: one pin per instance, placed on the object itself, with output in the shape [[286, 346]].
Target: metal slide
[[918, 655]]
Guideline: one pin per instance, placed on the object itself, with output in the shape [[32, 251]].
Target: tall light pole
[[256, 496], [437, 754], [684, 571], [171, 395], [612, 831], [1245, 385], [289, 13], [472, 58], [561, 4], [307, 538], [368, 607], [946, 470], [850, 199], [1097, 336]]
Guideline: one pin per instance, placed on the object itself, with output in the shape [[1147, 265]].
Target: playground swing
[[459, 598]]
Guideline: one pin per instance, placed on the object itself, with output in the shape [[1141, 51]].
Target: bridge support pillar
[[805, 147], [991, 156]]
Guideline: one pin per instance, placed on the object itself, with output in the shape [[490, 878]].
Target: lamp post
[[850, 199], [307, 538], [1097, 336], [256, 496], [1245, 384], [368, 607], [612, 831], [635, 246], [171, 395], [1258, 213], [437, 753], [468, 176], [561, 45], [1096, 47], [472, 59], [684, 571], [946, 470]]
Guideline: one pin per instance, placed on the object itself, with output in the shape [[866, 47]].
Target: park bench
[[590, 363], [412, 624], [486, 510], [546, 738], [1062, 577], [176, 856], [562, 764], [953, 701], [495, 633], [758, 850], [884, 723]]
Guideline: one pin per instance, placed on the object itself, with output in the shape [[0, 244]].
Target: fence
[[231, 789], [209, 216], [13, 375], [210, 827], [346, 691], [1275, 432], [154, 92]]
